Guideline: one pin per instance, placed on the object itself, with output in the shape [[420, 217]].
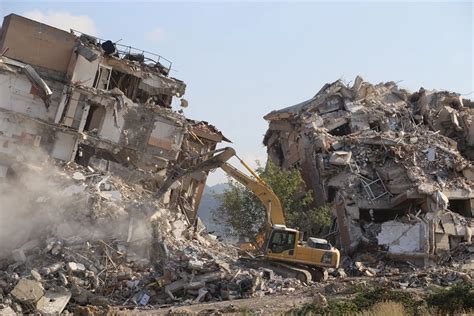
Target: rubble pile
[[88, 135], [372, 269], [111, 243], [397, 165]]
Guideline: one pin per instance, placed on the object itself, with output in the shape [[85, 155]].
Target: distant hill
[[209, 203], [218, 188]]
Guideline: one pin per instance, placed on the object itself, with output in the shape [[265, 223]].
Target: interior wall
[[63, 146], [84, 71], [109, 130], [95, 118]]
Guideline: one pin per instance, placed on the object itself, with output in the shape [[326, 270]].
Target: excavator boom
[[262, 191], [255, 183], [178, 172]]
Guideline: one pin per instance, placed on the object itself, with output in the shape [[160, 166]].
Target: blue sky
[[242, 60]]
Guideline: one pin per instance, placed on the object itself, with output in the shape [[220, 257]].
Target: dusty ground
[[273, 304]]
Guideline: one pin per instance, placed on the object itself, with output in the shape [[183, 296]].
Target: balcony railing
[[124, 50]]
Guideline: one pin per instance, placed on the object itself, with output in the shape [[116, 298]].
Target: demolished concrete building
[[100, 104], [87, 136], [396, 165], [81, 228]]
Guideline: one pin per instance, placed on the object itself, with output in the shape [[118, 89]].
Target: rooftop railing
[[123, 51]]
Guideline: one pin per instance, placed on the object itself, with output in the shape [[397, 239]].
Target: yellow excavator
[[283, 248]]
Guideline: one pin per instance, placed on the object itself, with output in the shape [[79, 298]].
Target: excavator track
[[304, 274], [298, 273]]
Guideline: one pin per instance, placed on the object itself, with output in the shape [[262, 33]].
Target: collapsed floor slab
[[382, 154]]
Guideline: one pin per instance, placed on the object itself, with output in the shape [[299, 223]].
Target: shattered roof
[[289, 111], [297, 108], [338, 87]]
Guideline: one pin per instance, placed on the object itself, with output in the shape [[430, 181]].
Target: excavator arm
[[178, 172], [264, 193]]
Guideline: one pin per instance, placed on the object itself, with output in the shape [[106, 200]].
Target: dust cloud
[[39, 200]]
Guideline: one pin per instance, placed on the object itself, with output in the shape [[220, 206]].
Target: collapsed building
[[97, 103], [87, 136], [396, 165]]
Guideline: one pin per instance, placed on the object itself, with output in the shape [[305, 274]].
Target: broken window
[[85, 153], [381, 215], [374, 189], [462, 207], [163, 100], [126, 83], [144, 96], [342, 130], [72, 114], [107, 79], [332, 191], [281, 241], [95, 118], [102, 77]]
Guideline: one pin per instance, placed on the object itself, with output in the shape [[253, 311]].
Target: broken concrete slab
[[7, 311], [175, 286], [400, 237], [28, 291], [35, 274], [78, 176], [54, 301], [75, 267], [340, 158]]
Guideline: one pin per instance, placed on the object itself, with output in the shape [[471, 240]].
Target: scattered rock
[[28, 291]]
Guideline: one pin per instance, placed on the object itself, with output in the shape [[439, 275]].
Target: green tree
[[242, 213]]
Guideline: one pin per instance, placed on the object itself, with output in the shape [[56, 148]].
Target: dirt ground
[[270, 304]]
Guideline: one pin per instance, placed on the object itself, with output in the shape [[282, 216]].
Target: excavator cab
[[282, 241], [285, 244]]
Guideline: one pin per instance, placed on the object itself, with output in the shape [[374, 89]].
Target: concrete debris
[[395, 165], [78, 176], [54, 301], [7, 311], [75, 267], [93, 234], [88, 166], [400, 237], [35, 275], [96, 255], [340, 158], [320, 300], [447, 271], [28, 291], [79, 179]]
